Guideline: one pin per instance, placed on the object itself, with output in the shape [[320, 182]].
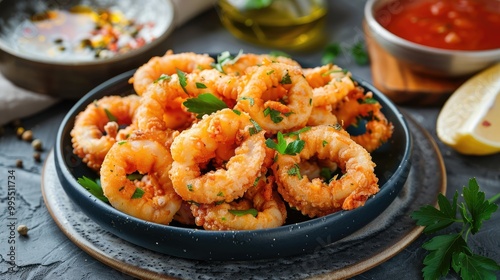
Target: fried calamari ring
[[195, 147], [290, 105], [358, 106], [100, 125], [152, 197], [168, 64], [315, 197], [330, 84], [247, 60], [270, 208]]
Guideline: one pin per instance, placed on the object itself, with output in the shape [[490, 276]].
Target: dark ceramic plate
[[297, 236]]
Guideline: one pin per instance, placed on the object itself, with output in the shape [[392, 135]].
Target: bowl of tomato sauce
[[65, 48], [445, 38]]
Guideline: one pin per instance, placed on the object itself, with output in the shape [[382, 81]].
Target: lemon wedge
[[469, 121]]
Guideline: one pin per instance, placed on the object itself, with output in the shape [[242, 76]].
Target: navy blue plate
[[298, 236]]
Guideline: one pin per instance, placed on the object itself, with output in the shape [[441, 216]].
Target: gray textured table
[[48, 254]]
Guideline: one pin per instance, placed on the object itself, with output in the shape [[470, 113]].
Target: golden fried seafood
[[330, 84], [134, 178], [195, 147], [161, 105], [291, 106], [315, 197], [361, 106], [255, 211], [244, 61], [168, 64], [322, 116], [100, 125]]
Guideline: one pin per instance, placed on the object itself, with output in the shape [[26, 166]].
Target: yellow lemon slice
[[469, 121]]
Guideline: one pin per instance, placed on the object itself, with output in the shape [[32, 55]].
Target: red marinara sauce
[[447, 24]]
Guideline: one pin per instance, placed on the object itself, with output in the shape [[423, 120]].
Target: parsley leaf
[[138, 193], [438, 261], [451, 250], [273, 114], [479, 208], [330, 54], [226, 58], [472, 266], [359, 53], [110, 116], [94, 187], [286, 79], [283, 147], [204, 104], [239, 213], [295, 171], [434, 219], [163, 77], [182, 80]]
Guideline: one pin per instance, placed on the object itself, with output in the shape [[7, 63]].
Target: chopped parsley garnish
[[135, 176], [285, 148], [200, 85], [295, 171], [110, 116], [204, 104], [256, 127], [190, 187], [163, 77], [226, 58], [286, 79], [182, 80], [94, 187], [273, 114], [239, 213], [298, 132], [368, 100], [138, 193], [250, 100]]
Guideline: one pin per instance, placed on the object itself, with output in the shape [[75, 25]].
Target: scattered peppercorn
[[19, 131], [23, 230], [27, 135], [37, 144], [37, 156], [19, 163]]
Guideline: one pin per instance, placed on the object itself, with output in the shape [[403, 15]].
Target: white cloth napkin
[[16, 103]]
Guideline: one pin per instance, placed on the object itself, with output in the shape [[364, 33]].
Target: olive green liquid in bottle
[[291, 24]]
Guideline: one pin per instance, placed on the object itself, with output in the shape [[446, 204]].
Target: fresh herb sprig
[[93, 186], [357, 51], [204, 104], [451, 250], [284, 148]]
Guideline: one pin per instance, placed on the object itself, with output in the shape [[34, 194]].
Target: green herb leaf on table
[[451, 250], [204, 104], [331, 52], [359, 53], [94, 187]]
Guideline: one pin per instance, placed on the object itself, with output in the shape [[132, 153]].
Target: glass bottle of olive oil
[[290, 24]]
